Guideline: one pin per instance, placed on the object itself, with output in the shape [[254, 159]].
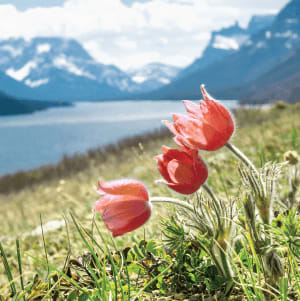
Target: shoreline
[[70, 164], [78, 162]]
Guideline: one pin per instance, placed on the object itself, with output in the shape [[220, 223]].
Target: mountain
[[153, 76], [226, 41], [281, 82], [10, 86], [259, 22], [11, 106], [56, 68], [257, 55]]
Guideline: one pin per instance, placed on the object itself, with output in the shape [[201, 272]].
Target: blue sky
[[25, 4], [130, 33]]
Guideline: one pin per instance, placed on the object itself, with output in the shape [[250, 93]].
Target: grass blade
[[20, 266], [8, 271]]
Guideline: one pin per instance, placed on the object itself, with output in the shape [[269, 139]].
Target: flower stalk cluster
[[214, 222]]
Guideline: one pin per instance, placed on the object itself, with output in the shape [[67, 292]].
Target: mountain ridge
[[258, 55]]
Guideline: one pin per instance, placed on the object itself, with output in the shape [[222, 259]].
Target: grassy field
[[50, 194]]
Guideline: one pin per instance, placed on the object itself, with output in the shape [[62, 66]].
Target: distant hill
[[153, 76], [11, 106], [257, 56]]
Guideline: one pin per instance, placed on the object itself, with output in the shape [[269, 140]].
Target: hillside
[[11, 106], [282, 82]]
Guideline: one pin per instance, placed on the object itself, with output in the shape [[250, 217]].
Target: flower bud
[[292, 157], [208, 125], [183, 172]]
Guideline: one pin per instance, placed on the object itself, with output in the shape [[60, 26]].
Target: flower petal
[[181, 143], [184, 188], [205, 94], [162, 167], [170, 154], [193, 109], [123, 217], [180, 172], [123, 187], [109, 199]]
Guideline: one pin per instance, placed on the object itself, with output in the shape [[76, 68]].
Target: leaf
[[151, 247], [83, 297], [72, 296]]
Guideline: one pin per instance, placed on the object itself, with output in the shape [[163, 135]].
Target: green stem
[[213, 196], [172, 201], [215, 260], [225, 264], [240, 155]]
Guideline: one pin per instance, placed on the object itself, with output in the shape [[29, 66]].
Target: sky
[[131, 33]]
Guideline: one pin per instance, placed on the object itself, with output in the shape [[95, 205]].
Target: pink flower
[[124, 205], [208, 126], [184, 172]]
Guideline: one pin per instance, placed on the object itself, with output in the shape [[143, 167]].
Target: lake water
[[30, 141]]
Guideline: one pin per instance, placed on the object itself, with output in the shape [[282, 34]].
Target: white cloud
[[158, 30], [125, 43]]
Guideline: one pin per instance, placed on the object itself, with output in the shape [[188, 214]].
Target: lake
[[30, 141]]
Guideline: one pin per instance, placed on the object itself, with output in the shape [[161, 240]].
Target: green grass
[[83, 262]]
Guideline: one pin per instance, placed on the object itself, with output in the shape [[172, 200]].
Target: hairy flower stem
[[225, 264], [240, 155], [213, 196], [172, 201]]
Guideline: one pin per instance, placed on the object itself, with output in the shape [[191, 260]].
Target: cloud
[[159, 30]]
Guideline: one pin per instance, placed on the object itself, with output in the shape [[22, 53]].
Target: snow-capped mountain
[[259, 54], [153, 75], [56, 68], [226, 41]]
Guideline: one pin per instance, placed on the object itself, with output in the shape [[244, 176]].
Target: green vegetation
[[80, 261]]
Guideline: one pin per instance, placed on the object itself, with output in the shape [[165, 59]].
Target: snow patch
[[20, 74], [261, 44], [164, 80], [42, 48], [288, 45], [248, 43], [291, 21], [286, 34], [13, 51], [61, 62], [139, 79], [268, 34], [226, 43], [36, 83]]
